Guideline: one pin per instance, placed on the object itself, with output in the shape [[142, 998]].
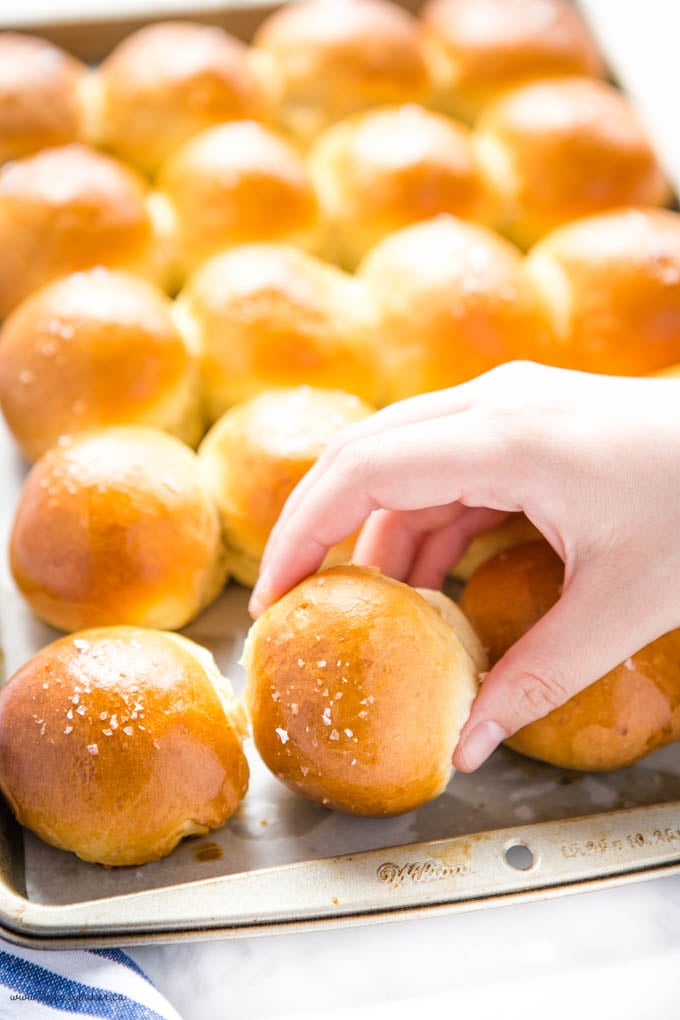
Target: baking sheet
[[257, 873]]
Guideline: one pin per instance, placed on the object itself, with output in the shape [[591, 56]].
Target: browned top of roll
[[117, 526], [478, 48], [65, 209], [453, 301], [236, 183], [610, 285], [40, 96], [326, 60], [384, 168], [168, 81], [95, 348], [554, 150], [115, 743], [631, 711], [357, 690]]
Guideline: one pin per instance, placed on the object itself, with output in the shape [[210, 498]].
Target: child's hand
[[593, 461]]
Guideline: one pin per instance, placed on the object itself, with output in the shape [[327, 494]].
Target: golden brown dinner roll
[[453, 301], [631, 711], [382, 169], [554, 150], [611, 287], [515, 530], [257, 453], [96, 348], [117, 526], [71, 208], [264, 316], [116, 743], [41, 91], [166, 82], [326, 60], [235, 183], [358, 689], [478, 48]]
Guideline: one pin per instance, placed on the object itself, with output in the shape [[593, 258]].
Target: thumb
[[584, 635]]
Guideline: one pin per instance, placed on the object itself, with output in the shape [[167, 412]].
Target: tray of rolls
[[222, 240]]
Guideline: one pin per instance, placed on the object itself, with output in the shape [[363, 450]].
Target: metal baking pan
[[515, 830]]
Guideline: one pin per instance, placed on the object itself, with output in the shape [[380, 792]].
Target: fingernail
[[477, 747], [259, 597]]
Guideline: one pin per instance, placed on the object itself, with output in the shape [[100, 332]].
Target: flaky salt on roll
[[631, 711], [115, 743], [325, 60], [117, 526], [96, 348], [358, 687], [453, 301], [257, 453], [168, 81], [610, 285], [264, 316], [382, 169], [552, 151], [478, 48], [41, 96], [71, 208], [236, 183]]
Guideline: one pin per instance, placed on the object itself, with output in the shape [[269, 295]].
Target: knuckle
[[355, 460], [539, 692]]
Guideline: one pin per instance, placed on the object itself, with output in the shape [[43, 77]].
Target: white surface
[[596, 955]]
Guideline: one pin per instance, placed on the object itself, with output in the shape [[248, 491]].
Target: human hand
[[593, 461]]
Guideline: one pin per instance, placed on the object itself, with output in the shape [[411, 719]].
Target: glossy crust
[[257, 453], [117, 526], [40, 96], [479, 48], [357, 690], [115, 743], [516, 530], [95, 348], [382, 169], [630, 712], [326, 60], [265, 316], [168, 81], [552, 151], [453, 301], [236, 183], [611, 287], [71, 208]]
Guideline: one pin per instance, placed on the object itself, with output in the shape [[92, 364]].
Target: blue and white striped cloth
[[47, 985]]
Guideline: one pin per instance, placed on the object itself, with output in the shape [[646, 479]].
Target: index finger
[[420, 465]]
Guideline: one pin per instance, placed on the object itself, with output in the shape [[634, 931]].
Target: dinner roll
[[453, 301], [264, 316], [382, 169], [611, 286], [552, 151], [166, 82], [41, 96], [116, 743], [117, 526], [629, 712], [358, 689], [235, 183], [326, 60], [515, 530], [95, 348], [257, 453], [71, 208], [478, 48]]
